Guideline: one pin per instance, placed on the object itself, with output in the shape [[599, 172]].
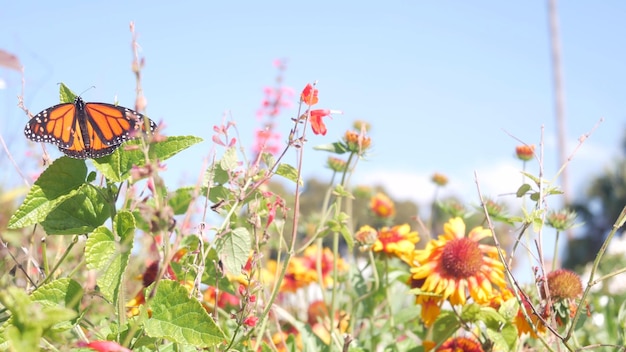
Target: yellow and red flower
[[310, 260], [398, 240], [460, 344], [296, 276], [382, 206], [454, 265]]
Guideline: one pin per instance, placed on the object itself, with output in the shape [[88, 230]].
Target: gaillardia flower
[[525, 152], [439, 179], [460, 344], [382, 206], [454, 264], [398, 240]]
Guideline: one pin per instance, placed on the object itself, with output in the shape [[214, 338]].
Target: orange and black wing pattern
[[87, 130]]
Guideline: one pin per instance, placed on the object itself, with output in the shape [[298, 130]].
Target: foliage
[[117, 260]]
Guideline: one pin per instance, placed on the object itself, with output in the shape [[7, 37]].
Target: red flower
[[251, 321], [309, 95], [105, 346], [316, 121]]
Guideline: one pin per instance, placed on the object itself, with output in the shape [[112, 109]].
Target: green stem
[[555, 255], [58, 263]]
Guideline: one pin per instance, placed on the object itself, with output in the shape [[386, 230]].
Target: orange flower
[[296, 276], [382, 206], [521, 323], [525, 152], [460, 344], [319, 321], [454, 264], [309, 95], [310, 260], [357, 142], [366, 235], [398, 240], [439, 179], [225, 300], [317, 124]]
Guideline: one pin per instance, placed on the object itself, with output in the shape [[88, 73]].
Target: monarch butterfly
[[86, 130]]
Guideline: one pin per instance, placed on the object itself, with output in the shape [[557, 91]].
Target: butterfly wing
[[87, 130], [109, 125], [57, 125]]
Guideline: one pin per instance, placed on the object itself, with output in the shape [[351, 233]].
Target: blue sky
[[440, 83]]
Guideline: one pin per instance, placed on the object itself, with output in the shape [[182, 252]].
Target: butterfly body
[[86, 130]]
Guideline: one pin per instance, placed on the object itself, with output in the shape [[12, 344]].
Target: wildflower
[[266, 140], [366, 235], [398, 240], [317, 124], [310, 260], [525, 152], [104, 346], [336, 164], [453, 208], [251, 321], [132, 306], [522, 324], [439, 179], [564, 287], [563, 284], [453, 264], [357, 142], [382, 206], [225, 300], [296, 276], [460, 344], [318, 319], [561, 220], [309, 95]]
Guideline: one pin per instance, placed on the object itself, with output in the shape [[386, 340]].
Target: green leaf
[[65, 291], [212, 273], [65, 94], [103, 254], [521, 191], [340, 191], [535, 179], [503, 339], [347, 236], [229, 160], [180, 199], [125, 226], [268, 159], [81, 213], [234, 249], [180, 318], [289, 172], [172, 146], [32, 319], [490, 317], [445, 325], [117, 166], [56, 184], [64, 294], [508, 309], [337, 148], [470, 312]]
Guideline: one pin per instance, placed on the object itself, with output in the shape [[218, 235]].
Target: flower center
[[461, 258]]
